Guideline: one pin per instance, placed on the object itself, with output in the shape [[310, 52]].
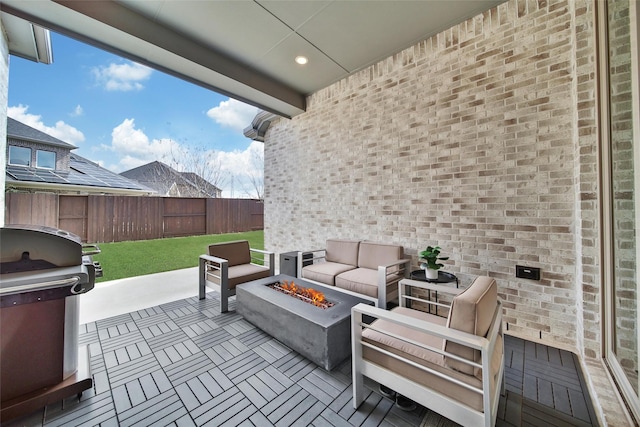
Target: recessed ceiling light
[[302, 60]]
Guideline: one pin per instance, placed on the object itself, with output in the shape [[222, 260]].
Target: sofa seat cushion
[[364, 281], [240, 274], [325, 272], [416, 354]]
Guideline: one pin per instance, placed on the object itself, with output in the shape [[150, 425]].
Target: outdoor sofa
[[452, 365], [366, 269]]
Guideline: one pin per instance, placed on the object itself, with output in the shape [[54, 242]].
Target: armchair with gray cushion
[[452, 365], [230, 263]]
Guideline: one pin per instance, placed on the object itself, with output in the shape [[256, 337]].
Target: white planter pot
[[431, 274]]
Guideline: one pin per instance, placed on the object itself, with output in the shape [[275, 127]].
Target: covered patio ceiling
[[246, 49]]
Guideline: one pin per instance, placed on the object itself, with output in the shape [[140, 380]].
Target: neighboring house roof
[[201, 183], [82, 175], [19, 130], [168, 181]]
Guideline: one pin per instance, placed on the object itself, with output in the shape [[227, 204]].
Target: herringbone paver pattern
[[185, 364]]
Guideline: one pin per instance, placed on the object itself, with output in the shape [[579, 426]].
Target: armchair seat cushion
[[241, 273], [399, 346], [325, 272]]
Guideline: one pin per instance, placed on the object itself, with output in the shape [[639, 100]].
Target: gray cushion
[[372, 255], [420, 356], [365, 281], [342, 251], [361, 280], [472, 312], [240, 274], [236, 252], [325, 272]]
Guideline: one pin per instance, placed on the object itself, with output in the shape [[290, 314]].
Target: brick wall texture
[[481, 139], [4, 102], [623, 221]]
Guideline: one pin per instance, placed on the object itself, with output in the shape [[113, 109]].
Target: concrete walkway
[[115, 297]]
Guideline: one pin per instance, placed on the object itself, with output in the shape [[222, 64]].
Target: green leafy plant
[[431, 255]]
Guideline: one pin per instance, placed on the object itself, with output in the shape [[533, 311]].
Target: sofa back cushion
[[372, 255], [471, 311], [236, 252], [342, 251]]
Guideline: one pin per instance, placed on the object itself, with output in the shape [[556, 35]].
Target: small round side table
[[443, 277]]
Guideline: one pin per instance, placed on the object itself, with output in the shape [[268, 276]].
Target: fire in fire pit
[[309, 295]]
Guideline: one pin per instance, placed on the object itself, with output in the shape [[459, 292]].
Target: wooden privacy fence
[[98, 219]]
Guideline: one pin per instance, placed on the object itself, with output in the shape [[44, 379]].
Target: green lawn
[[127, 259]]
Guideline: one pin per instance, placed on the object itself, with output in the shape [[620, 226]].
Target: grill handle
[[69, 281], [91, 249]]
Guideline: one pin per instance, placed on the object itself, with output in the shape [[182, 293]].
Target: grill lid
[[25, 264], [45, 247]]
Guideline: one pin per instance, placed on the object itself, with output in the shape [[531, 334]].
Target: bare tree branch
[[200, 172], [255, 175]]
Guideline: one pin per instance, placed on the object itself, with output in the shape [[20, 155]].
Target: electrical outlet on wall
[[523, 272]]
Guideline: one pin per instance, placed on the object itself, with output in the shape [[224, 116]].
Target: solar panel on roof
[[82, 172], [25, 175], [104, 177]]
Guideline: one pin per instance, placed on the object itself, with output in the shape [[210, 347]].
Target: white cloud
[[240, 162], [242, 166], [234, 114], [61, 130], [78, 111], [122, 77], [135, 148]]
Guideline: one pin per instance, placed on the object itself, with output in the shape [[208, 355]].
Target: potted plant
[[431, 256]]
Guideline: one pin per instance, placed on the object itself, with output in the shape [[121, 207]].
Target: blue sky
[[121, 114]]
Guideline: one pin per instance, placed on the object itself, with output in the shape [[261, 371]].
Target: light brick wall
[[4, 102], [586, 171], [624, 226], [480, 139]]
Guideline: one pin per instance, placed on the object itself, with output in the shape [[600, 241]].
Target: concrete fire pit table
[[322, 335]]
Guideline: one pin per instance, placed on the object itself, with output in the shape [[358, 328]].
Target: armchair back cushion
[[342, 251], [236, 252], [472, 312], [371, 255]]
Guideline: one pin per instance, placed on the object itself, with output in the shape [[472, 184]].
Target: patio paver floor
[[185, 364]]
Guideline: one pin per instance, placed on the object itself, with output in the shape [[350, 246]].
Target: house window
[[19, 156], [620, 77], [45, 159]]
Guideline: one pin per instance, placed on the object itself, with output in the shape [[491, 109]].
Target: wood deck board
[[185, 364]]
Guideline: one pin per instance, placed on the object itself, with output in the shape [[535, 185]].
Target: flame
[[316, 298]]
